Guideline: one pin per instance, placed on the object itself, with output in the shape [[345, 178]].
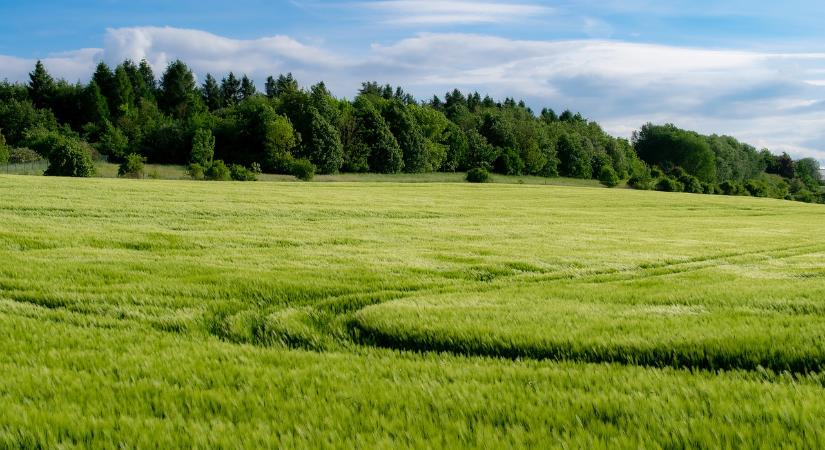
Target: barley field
[[153, 313]]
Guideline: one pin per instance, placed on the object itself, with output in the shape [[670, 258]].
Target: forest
[[228, 130]]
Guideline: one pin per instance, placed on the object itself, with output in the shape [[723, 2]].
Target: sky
[[751, 69]]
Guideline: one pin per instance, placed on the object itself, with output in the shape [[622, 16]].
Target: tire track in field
[[682, 355]]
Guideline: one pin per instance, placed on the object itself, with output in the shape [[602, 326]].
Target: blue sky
[[753, 69]]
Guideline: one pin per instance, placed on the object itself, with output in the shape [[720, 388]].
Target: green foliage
[[41, 86], [196, 171], [669, 184], [23, 156], [574, 159], [113, 143], [177, 93], [608, 176], [211, 93], [807, 170], [4, 149], [217, 171], [480, 154], [408, 134], [509, 163], [203, 148], [375, 138], [478, 175], [17, 117], [68, 156], [323, 146], [132, 166], [241, 173], [668, 146], [302, 169], [730, 187]]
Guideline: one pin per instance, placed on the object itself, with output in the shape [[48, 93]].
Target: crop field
[[152, 313]]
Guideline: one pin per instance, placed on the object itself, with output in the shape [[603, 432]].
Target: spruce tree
[[247, 88], [211, 93], [41, 86], [230, 90]]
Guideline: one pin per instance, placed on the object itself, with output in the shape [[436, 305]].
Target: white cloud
[[768, 99], [439, 12]]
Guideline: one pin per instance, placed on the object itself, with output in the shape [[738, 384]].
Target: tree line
[[227, 129]]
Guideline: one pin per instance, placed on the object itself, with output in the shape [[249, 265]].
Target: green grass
[[144, 313]]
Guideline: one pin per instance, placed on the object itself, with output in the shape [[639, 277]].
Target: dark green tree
[[41, 86], [375, 140], [177, 90], [211, 93], [231, 90], [247, 88], [408, 135]]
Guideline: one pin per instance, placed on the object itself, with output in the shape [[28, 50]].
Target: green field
[[148, 313]]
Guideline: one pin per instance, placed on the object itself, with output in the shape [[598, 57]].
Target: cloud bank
[[775, 100]]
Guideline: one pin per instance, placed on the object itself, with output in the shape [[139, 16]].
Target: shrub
[[195, 171], [730, 187], [805, 195], [302, 169], [478, 175], [203, 148], [4, 150], [23, 156], [667, 184], [691, 184], [68, 156], [608, 177], [132, 166], [756, 188], [241, 173], [708, 188], [217, 171]]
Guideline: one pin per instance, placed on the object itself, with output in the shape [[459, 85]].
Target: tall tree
[[270, 87], [105, 79], [124, 97], [408, 135], [177, 90], [148, 75], [247, 87], [211, 93], [323, 145], [41, 86], [374, 140], [230, 90]]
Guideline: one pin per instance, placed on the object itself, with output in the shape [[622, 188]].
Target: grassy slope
[[183, 313]]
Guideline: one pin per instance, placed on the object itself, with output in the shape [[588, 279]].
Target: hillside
[[364, 315]]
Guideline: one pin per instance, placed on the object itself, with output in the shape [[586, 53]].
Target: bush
[[67, 155], [302, 169], [478, 175], [756, 188], [805, 196], [195, 171], [730, 187], [4, 151], [241, 173], [217, 171], [668, 184], [608, 177], [24, 156], [691, 184], [132, 166], [708, 188]]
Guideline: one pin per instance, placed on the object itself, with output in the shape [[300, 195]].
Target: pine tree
[[148, 76], [247, 88], [105, 79], [211, 93], [124, 97], [94, 108], [271, 87], [41, 86], [230, 90], [177, 90]]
